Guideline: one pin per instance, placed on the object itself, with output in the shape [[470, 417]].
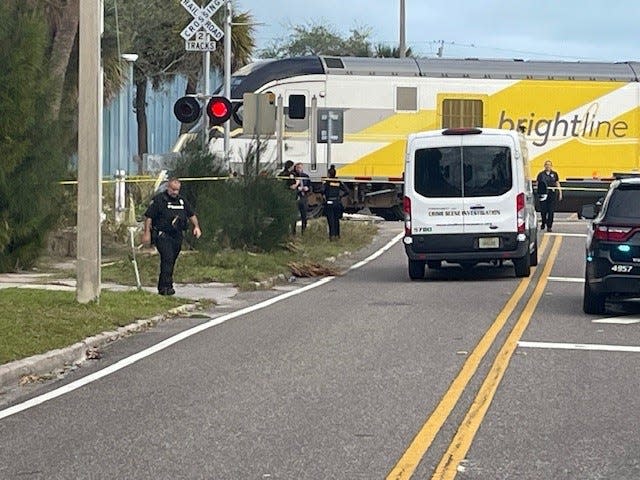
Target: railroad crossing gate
[[197, 35]]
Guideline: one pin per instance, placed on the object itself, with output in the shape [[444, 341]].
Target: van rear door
[[464, 184], [438, 204], [489, 184]]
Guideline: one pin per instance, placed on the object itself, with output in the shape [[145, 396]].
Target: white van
[[468, 198]]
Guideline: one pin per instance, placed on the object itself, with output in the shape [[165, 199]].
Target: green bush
[[33, 158], [252, 211]]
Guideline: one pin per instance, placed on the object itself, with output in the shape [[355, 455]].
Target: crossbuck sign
[[201, 26]]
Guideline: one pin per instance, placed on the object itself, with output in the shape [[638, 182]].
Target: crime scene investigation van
[[583, 116], [468, 199]]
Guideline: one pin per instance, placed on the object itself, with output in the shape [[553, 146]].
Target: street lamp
[[124, 150], [130, 58]]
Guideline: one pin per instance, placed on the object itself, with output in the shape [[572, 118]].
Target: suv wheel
[[592, 303], [416, 269], [522, 266]]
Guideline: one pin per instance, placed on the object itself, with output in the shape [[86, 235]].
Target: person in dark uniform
[[167, 217], [333, 191], [548, 181], [288, 177], [302, 187]]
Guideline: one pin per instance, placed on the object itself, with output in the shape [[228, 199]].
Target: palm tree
[[385, 51], [156, 40]]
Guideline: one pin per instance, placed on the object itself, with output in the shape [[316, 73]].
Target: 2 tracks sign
[[197, 35]]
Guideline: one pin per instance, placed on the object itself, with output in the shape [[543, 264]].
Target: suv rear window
[[463, 171], [624, 203]]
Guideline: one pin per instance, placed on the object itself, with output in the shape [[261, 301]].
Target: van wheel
[[592, 303], [522, 266], [533, 256], [434, 264], [416, 269]]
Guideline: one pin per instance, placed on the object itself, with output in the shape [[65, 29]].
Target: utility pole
[[403, 46], [206, 69], [227, 76], [89, 152]]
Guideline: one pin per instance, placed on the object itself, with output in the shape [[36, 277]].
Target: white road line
[[580, 346], [375, 255], [125, 362], [566, 279], [618, 320], [554, 234]]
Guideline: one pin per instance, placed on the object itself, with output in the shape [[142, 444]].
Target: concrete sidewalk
[[219, 293], [56, 362]]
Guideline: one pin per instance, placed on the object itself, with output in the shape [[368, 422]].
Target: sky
[[570, 30]]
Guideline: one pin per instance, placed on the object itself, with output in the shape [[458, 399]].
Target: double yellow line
[[447, 468]]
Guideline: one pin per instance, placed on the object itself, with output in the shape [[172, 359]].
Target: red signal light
[[219, 110]]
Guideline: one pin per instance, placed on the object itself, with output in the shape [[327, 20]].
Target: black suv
[[613, 246]]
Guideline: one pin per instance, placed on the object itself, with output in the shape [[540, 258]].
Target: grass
[[36, 321], [243, 268]]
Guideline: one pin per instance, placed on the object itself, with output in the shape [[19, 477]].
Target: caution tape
[[349, 179], [145, 180]]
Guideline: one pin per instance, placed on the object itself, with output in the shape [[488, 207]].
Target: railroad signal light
[[187, 109], [219, 110]]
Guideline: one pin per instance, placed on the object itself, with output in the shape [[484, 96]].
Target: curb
[[58, 361], [55, 363]]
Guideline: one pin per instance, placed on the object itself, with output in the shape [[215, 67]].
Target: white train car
[[583, 116]]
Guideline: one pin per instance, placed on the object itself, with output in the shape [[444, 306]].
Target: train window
[[297, 108], [461, 113], [333, 62], [407, 98]]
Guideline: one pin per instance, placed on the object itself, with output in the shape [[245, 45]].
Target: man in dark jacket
[[303, 188], [333, 191], [548, 178], [167, 216], [287, 176]]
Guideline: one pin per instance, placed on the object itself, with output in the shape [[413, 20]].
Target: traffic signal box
[[259, 113], [188, 109]]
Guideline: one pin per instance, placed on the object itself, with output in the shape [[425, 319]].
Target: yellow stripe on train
[[573, 124]]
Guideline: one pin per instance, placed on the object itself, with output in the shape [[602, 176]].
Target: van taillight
[[611, 234], [520, 213], [406, 208]]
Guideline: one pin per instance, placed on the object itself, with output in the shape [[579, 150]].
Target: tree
[[320, 39], [156, 40], [161, 50], [385, 51], [264, 205], [33, 142]]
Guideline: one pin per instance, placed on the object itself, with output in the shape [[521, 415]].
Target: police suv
[[468, 198]]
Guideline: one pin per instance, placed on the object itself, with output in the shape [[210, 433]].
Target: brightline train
[[583, 116]]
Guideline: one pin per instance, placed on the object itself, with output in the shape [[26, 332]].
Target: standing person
[[167, 216], [549, 181], [288, 177], [333, 191], [287, 174], [302, 187]]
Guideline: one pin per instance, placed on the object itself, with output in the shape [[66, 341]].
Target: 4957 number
[[621, 268]]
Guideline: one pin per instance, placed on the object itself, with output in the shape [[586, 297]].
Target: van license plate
[[489, 242]]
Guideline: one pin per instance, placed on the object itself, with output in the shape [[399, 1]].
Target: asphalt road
[[467, 374]]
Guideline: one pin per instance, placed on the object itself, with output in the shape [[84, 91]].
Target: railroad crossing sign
[[201, 26]]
